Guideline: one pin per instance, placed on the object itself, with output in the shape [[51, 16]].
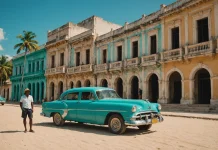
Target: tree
[[28, 44], [5, 69]]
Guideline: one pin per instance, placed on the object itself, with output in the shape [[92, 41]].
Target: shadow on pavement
[[102, 130], [10, 131]]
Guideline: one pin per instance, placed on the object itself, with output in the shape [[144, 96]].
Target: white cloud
[[1, 38], [1, 34], [1, 48], [9, 57]]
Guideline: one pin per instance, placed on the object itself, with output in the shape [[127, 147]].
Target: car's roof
[[88, 89]]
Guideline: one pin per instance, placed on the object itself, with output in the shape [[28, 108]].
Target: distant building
[[34, 78], [5, 90]]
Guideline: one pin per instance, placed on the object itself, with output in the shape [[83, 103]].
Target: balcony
[[56, 70], [116, 66], [80, 69], [101, 68], [133, 62], [205, 48], [149, 60], [172, 55]]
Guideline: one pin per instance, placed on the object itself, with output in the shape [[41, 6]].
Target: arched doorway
[[37, 91], [52, 90], [153, 88], [71, 85], [29, 86], [87, 83], [33, 91], [202, 87], [78, 84], [119, 87], [15, 92], [104, 83], [175, 88], [134, 87], [8, 94], [42, 91], [18, 93], [61, 87]]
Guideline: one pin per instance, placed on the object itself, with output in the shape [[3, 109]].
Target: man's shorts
[[26, 112]]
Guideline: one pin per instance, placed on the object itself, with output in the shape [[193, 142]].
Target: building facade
[[5, 90], [70, 59], [190, 52], [33, 79]]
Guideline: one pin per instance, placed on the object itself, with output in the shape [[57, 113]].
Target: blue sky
[[39, 16]]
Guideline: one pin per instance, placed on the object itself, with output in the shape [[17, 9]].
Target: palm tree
[[5, 69], [28, 44]]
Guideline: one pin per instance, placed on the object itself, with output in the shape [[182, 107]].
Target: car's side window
[[87, 96], [73, 96], [65, 97]]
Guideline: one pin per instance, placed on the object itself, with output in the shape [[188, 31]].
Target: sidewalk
[[191, 115]]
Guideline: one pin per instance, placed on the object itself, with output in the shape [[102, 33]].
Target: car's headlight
[[134, 108], [159, 107]]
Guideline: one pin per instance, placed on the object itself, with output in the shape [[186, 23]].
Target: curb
[[193, 117]]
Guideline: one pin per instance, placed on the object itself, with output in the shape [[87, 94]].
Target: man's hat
[[26, 90]]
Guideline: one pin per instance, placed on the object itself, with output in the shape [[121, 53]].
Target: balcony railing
[[60, 69], [199, 49], [101, 67], [132, 62], [170, 55], [116, 65], [56, 70], [50, 71], [149, 60], [80, 69]]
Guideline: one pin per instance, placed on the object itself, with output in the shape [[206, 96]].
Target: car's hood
[[143, 105]]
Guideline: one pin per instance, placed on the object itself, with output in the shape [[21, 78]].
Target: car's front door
[[71, 100], [86, 108]]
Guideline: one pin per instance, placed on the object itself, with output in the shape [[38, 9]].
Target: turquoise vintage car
[[103, 106], [2, 100]]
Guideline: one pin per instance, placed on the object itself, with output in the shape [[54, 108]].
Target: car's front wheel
[[3, 103], [145, 127], [116, 124], [58, 120]]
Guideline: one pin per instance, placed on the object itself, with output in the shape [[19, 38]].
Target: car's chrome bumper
[[136, 121]]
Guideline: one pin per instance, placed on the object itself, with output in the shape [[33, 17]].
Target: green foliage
[[27, 42], [5, 68]]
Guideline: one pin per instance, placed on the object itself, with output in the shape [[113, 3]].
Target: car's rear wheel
[[145, 127], [116, 124], [58, 120], [2, 103]]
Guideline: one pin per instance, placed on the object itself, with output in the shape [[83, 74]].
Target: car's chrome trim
[[85, 110], [42, 114], [65, 113], [143, 122]]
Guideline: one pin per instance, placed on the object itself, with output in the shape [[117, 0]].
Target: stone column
[[146, 90], [214, 96], [163, 30], [160, 89], [215, 17], [128, 89], [165, 90], [143, 42], [186, 29]]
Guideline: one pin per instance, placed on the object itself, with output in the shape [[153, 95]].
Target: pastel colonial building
[[127, 58], [70, 50], [5, 90], [34, 78], [190, 57]]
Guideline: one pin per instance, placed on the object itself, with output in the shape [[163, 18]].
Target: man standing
[[26, 105]]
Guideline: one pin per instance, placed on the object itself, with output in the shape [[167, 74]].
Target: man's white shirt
[[26, 101]]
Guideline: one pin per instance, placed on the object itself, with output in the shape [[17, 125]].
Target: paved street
[[173, 133]]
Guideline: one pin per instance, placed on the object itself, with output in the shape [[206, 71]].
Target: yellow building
[[190, 59]]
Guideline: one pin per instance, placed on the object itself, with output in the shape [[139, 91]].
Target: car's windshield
[[105, 94]]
